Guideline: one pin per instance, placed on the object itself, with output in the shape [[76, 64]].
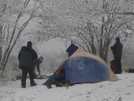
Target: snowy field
[[122, 90]]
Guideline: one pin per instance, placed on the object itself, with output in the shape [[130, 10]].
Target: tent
[[82, 67]]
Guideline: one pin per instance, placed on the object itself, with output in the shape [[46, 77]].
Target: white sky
[[51, 46]]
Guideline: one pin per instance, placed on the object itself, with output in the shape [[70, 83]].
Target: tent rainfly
[[81, 67]]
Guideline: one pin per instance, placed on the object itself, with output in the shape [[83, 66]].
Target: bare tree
[[13, 11], [98, 38], [94, 24]]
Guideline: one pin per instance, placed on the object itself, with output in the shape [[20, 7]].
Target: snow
[[122, 90]]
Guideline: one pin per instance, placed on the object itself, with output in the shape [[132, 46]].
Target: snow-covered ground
[[122, 90]]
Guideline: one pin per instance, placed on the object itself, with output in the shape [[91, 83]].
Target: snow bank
[[122, 90]]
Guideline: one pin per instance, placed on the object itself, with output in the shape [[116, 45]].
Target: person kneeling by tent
[[71, 49]]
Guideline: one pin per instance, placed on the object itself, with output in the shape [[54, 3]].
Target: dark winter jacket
[[26, 57], [71, 49], [117, 49]]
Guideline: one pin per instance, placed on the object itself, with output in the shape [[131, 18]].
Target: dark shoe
[[23, 86], [49, 87], [34, 84]]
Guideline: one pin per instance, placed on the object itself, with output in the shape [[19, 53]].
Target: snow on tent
[[81, 67]]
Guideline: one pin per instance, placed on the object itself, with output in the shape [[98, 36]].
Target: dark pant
[[118, 68], [24, 76]]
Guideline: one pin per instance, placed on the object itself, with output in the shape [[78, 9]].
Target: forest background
[[53, 24]]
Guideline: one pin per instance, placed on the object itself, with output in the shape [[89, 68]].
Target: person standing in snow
[[117, 53], [26, 57]]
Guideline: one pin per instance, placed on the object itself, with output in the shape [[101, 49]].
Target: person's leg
[[31, 75], [24, 76], [119, 63], [116, 65]]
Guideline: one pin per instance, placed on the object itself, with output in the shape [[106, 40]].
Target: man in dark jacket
[[26, 57], [117, 52]]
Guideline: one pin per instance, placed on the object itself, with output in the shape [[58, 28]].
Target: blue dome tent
[[82, 67]]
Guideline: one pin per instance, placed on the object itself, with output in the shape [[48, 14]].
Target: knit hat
[[118, 39], [29, 44]]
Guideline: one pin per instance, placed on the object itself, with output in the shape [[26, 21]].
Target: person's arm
[[113, 47], [19, 55], [38, 68], [67, 50]]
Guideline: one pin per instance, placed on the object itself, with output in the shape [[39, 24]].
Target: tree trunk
[[0, 43]]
